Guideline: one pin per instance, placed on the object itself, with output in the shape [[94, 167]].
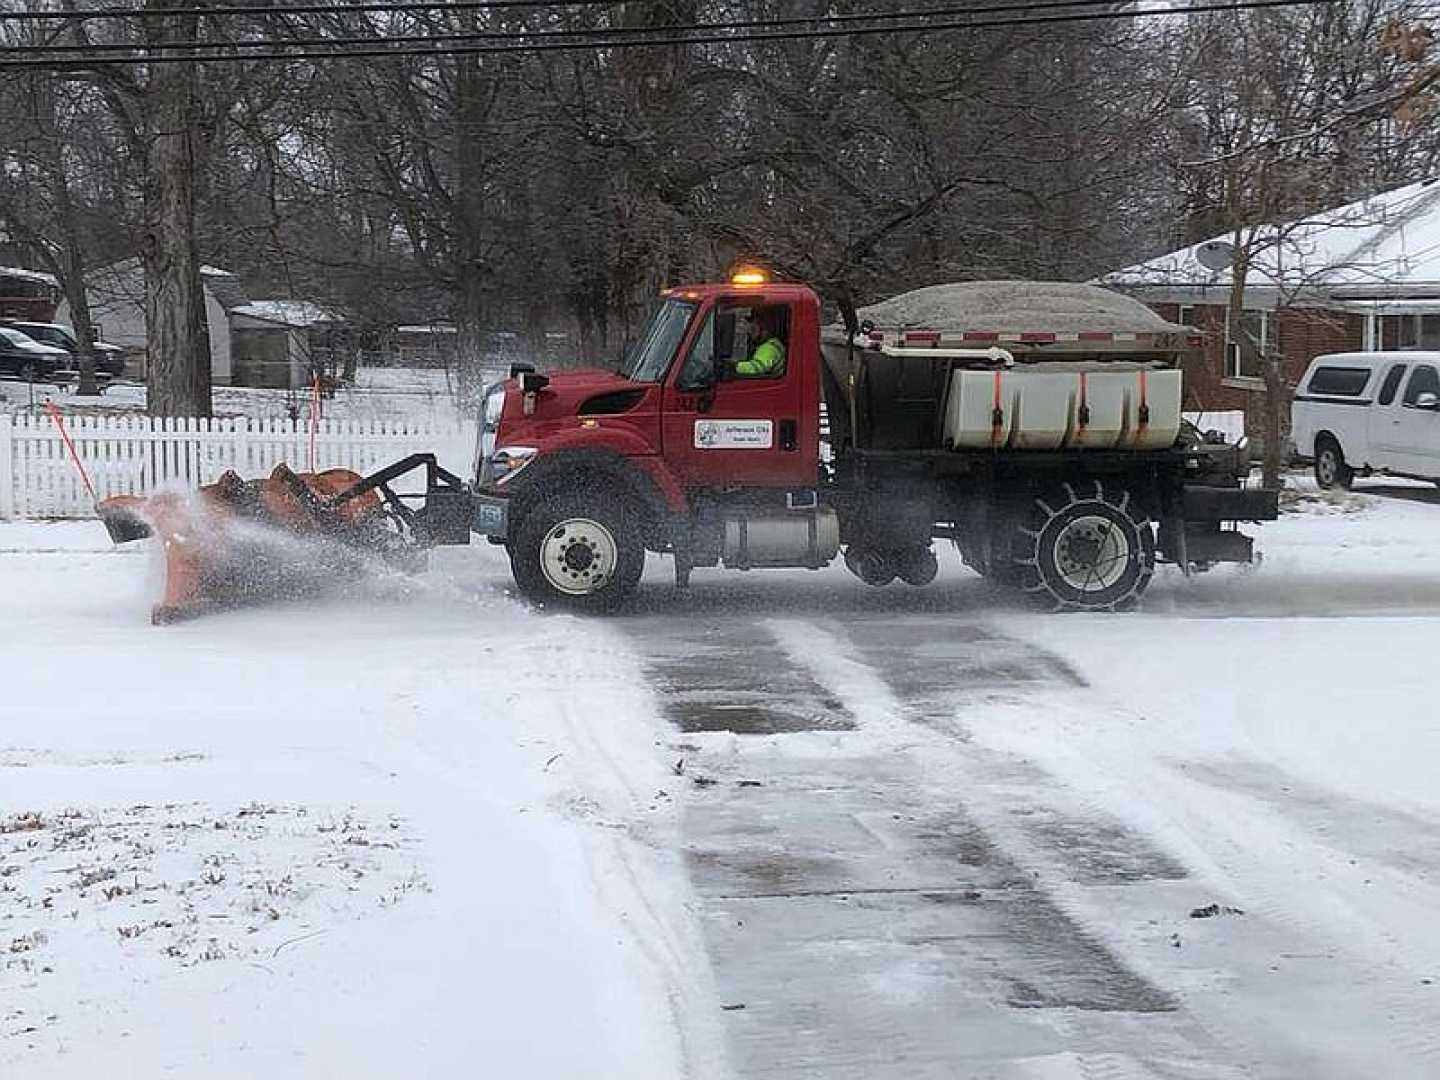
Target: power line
[[631, 42], [291, 9], [583, 32]]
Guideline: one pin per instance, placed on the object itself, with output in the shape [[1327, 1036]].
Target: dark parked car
[[109, 359], [23, 356]]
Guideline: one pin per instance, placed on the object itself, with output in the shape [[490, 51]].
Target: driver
[[767, 359]]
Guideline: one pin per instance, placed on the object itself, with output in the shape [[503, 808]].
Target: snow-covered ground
[[421, 830], [383, 836], [424, 395]]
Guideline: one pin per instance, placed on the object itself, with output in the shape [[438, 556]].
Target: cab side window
[[1392, 383], [719, 346], [1425, 380], [737, 341]]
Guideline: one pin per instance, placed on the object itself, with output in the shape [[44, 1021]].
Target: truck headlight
[[509, 460], [492, 405]]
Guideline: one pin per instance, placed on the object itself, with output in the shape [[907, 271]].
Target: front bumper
[[490, 515]]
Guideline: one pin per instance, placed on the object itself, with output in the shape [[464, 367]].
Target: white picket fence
[[135, 455]]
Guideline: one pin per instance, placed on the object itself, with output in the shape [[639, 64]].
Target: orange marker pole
[[59, 423], [314, 418]]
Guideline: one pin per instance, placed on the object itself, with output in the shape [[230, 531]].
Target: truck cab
[[660, 449], [679, 398]]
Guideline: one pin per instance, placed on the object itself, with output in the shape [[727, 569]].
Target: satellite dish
[[1215, 254]]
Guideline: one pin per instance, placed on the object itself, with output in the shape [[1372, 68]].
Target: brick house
[[1363, 276]]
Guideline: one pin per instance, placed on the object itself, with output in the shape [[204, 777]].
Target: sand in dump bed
[[1018, 306]]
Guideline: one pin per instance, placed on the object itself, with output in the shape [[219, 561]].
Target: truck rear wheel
[[1083, 548], [870, 565], [1330, 468], [577, 550], [917, 566]]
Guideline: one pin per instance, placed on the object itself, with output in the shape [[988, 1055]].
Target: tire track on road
[[860, 922], [1273, 987]]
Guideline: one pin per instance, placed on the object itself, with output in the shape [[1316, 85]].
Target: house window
[[1399, 332], [1259, 338], [1187, 315]]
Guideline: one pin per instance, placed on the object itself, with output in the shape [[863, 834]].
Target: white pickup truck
[[1371, 412]]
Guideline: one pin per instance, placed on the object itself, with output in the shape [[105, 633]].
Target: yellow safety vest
[[767, 359]]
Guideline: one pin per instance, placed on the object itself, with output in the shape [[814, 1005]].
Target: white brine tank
[[1095, 408]]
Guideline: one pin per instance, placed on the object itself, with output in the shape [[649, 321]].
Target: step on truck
[[1036, 426]]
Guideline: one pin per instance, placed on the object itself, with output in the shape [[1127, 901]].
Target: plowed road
[[930, 845]]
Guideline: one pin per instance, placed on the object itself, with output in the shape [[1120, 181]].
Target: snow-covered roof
[[287, 312], [426, 328], [1383, 244], [37, 276]]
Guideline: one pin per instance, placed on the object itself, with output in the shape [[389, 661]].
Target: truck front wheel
[[580, 551], [1084, 548]]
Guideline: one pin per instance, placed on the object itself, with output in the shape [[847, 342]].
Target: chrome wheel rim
[[1091, 553], [578, 556], [1327, 467]]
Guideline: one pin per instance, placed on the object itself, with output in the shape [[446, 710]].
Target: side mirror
[[1428, 401], [530, 385]]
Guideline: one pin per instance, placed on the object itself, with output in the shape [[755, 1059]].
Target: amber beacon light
[[749, 275]]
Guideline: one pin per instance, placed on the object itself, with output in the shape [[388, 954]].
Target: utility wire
[[582, 32], [170, 57]]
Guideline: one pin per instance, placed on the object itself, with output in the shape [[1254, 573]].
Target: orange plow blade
[[237, 541]]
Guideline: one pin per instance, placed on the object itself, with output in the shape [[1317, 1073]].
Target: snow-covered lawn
[[415, 831], [420, 830]]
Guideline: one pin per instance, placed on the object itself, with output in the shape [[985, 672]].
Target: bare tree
[[1268, 131], [159, 113]]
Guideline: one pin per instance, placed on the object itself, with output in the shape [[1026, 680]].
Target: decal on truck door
[[734, 434]]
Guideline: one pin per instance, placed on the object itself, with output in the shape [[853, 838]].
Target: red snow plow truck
[[1036, 426]]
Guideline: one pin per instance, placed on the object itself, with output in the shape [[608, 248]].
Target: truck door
[[1383, 424], [729, 421], [1418, 426]]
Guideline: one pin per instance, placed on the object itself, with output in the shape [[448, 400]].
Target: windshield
[[651, 356]]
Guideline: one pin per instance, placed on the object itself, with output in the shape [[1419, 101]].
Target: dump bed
[[1005, 365]]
